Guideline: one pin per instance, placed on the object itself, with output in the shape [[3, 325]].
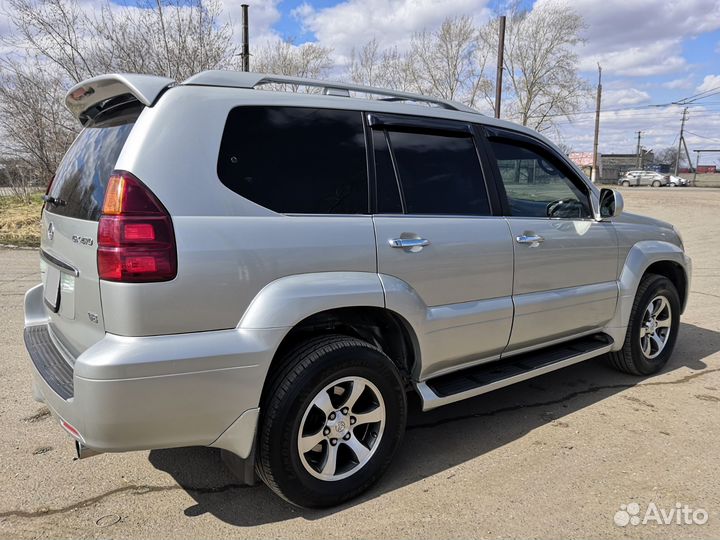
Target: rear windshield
[[82, 177]]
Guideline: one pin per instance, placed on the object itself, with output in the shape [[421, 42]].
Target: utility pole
[[681, 141], [687, 153], [245, 39], [639, 156], [500, 60], [594, 174]]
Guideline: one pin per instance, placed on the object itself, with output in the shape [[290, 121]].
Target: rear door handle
[[532, 239], [408, 242]]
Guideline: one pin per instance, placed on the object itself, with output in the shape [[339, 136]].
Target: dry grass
[[20, 221]]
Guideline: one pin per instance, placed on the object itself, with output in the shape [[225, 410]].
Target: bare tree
[[36, 126], [387, 68], [174, 38], [59, 43], [53, 30], [366, 64], [666, 156], [450, 62], [541, 67], [283, 57]]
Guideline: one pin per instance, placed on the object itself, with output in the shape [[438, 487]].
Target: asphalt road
[[553, 457]]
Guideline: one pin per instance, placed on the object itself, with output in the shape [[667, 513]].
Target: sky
[[653, 53]]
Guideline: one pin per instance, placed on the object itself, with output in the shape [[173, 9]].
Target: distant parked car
[[676, 181], [644, 178]]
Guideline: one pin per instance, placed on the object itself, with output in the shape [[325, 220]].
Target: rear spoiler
[[86, 99]]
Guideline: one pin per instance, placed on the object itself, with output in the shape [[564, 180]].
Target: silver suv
[[271, 273]]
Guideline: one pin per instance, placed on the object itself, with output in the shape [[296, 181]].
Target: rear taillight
[[136, 242]]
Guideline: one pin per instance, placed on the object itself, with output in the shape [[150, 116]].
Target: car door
[[564, 283], [444, 258]]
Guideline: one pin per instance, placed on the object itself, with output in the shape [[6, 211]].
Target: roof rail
[[242, 79]]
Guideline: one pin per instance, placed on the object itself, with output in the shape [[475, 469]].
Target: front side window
[[535, 186], [439, 173], [296, 160]]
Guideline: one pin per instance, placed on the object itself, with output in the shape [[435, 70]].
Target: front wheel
[[332, 421], [656, 183], [652, 329], [626, 183]]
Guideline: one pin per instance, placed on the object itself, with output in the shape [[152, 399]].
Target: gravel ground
[[553, 457]]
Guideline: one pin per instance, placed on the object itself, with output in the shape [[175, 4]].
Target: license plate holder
[[52, 288]]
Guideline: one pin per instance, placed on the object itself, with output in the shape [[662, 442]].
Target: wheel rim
[[655, 327], [341, 428]]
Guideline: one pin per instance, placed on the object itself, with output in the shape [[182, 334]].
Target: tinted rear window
[[296, 160], [82, 177]]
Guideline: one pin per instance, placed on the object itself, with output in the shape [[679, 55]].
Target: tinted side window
[[82, 177], [535, 187], [296, 160], [439, 173]]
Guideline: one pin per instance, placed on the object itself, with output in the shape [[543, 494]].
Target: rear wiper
[[53, 200]]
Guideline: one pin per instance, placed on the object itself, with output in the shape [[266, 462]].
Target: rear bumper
[[128, 393]]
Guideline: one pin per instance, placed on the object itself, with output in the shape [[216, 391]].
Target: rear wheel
[[332, 421], [652, 329]]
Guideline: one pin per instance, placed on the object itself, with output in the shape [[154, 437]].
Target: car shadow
[[432, 443]]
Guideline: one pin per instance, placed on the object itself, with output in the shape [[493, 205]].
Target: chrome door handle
[[408, 242], [533, 239]]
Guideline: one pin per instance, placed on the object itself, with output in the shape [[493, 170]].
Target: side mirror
[[611, 203]]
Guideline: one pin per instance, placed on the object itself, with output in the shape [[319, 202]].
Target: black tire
[[656, 183], [308, 369], [630, 359]]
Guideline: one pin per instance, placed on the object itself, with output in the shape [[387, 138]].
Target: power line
[[643, 119], [646, 114], [638, 109], [696, 97], [703, 136]]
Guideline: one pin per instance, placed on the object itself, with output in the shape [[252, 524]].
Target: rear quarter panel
[[229, 248]]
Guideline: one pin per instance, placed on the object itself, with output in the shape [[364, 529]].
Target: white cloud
[[641, 37], [625, 96], [263, 14], [614, 23], [352, 23], [679, 84], [710, 82], [660, 57]]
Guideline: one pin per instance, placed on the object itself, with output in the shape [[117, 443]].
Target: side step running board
[[485, 378]]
